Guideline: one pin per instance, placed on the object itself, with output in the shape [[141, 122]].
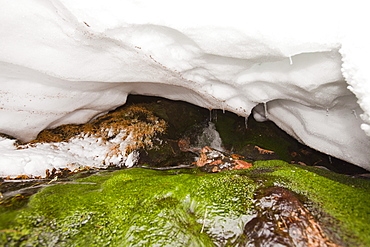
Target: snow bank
[[68, 61], [79, 152]]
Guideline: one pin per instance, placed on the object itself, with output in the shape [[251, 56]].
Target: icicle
[[330, 161], [290, 60], [246, 122], [265, 106], [212, 115], [223, 107], [354, 113]]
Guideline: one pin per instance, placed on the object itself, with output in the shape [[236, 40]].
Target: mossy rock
[[134, 207], [142, 207]]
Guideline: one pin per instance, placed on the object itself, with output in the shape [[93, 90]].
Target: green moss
[[142, 207], [134, 207]]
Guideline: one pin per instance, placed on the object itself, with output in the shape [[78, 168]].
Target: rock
[[282, 220]]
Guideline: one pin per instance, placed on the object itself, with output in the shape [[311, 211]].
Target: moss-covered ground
[[187, 207], [142, 207], [133, 207]]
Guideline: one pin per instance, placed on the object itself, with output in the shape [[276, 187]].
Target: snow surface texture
[[68, 61]]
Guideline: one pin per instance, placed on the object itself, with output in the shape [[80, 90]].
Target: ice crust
[[69, 61]]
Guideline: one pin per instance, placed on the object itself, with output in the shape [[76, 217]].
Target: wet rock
[[282, 220]]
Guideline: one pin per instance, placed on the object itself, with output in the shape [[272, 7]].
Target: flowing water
[[210, 137]]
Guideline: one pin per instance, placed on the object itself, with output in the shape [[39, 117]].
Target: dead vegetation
[[134, 123]]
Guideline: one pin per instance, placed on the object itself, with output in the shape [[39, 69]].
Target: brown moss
[[59, 134], [134, 121]]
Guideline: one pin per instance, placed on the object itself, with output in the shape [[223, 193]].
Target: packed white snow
[[84, 151], [66, 61]]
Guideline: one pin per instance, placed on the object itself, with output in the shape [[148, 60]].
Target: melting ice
[[210, 137]]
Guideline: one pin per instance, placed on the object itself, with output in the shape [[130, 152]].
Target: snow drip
[[210, 137]]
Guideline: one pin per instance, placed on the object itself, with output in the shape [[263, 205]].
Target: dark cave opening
[[237, 135]]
